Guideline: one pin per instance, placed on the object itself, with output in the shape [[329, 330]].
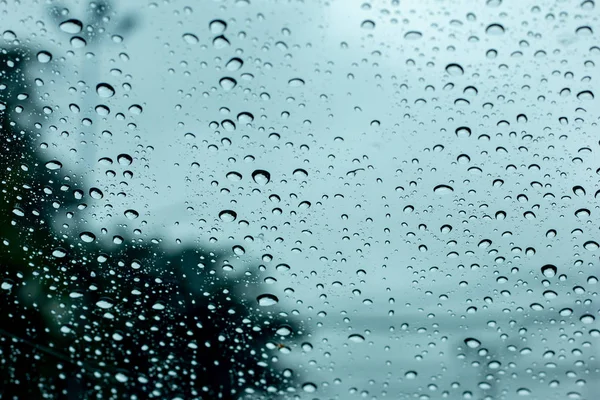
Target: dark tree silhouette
[[80, 319]]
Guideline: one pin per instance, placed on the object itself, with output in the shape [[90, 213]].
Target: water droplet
[[227, 83], [71, 26], [124, 159], [267, 300], [591, 245], [131, 214], [309, 387], [87, 237], [245, 118], [300, 173], [105, 303], [261, 177], [220, 42], [190, 38], [454, 69], [584, 31], [443, 189], [59, 252], [367, 24], [413, 35], [472, 343], [549, 270], [296, 82], [44, 57], [585, 95], [356, 338], [217, 26], [105, 90], [53, 165], [411, 374], [234, 64], [463, 132], [494, 29], [227, 215], [523, 392], [587, 319], [96, 193]]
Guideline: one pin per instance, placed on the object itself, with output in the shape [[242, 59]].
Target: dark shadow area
[[81, 320]]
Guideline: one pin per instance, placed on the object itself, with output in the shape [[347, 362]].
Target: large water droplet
[[190, 38], [367, 24], [549, 270], [227, 83], [53, 165], [217, 26], [296, 82], [124, 159], [44, 57], [472, 343], [463, 132], [59, 252], [234, 64], [87, 237], [71, 26], [443, 189], [454, 69], [105, 90], [267, 300], [131, 214], [309, 387], [261, 176], [585, 95], [584, 31], [591, 245], [413, 35], [356, 338], [105, 303], [494, 29], [228, 215]]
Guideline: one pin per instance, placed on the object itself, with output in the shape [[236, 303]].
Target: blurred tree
[[83, 320]]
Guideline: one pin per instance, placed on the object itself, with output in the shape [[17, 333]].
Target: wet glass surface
[[299, 200]]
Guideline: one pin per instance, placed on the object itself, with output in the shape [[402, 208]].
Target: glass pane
[[299, 200]]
